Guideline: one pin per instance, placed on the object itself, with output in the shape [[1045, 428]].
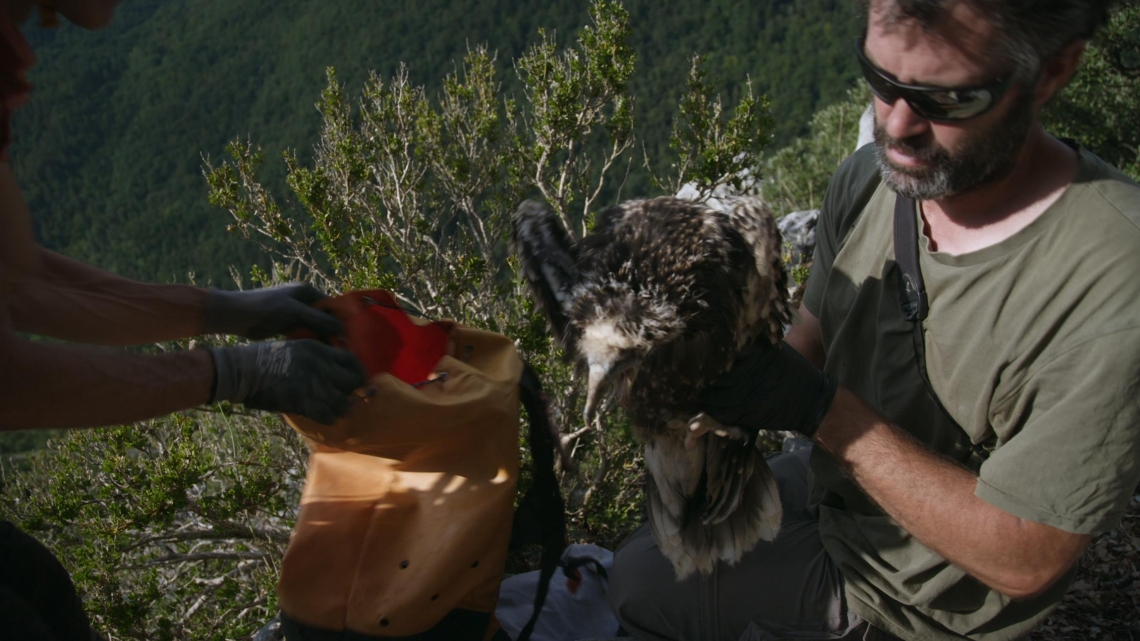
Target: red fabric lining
[[380, 334], [385, 340]]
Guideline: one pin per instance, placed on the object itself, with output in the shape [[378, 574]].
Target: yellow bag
[[407, 508]]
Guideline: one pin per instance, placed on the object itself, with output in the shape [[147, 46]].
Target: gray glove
[[258, 314], [303, 377]]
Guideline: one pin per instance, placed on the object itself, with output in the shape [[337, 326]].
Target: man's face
[[927, 160]]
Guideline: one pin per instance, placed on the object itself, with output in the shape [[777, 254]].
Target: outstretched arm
[[68, 300], [45, 385], [51, 295]]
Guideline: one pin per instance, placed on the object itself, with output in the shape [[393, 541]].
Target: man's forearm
[[933, 499], [55, 386], [71, 301]]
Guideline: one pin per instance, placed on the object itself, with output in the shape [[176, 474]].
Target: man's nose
[[900, 121]]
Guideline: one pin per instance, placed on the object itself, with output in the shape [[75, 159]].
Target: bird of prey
[[657, 302]]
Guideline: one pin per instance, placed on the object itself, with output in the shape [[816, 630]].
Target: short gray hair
[[1033, 30]]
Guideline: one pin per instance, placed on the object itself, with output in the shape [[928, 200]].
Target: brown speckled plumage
[[663, 294]]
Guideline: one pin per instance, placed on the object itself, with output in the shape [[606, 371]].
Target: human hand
[[770, 387], [303, 377], [258, 314]]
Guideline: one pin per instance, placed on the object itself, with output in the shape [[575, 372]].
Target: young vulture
[[657, 302]]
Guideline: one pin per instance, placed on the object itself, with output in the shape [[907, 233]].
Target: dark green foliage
[[172, 529], [795, 178], [108, 151], [1101, 106], [711, 152]]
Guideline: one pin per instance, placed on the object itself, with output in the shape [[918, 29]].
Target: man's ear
[[1056, 72]]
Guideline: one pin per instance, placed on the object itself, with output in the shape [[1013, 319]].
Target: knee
[[644, 593], [20, 620], [624, 586], [34, 575]]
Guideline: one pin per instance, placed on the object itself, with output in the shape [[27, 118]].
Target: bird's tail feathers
[[726, 517], [757, 519]]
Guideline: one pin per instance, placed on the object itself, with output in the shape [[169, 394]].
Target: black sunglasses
[[940, 104]]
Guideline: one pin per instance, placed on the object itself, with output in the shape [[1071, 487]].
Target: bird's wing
[[743, 498], [549, 264], [711, 502], [767, 298]]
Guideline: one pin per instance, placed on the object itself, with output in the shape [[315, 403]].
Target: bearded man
[[969, 344]]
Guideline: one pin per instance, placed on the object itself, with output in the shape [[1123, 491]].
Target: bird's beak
[[601, 377]]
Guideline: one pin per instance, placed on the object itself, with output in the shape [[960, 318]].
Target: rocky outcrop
[[798, 230], [866, 127]]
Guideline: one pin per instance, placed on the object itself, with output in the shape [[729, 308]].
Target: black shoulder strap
[[912, 298], [912, 292], [540, 516]]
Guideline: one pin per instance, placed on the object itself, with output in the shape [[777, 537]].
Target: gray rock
[[798, 230], [271, 631], [866, 127]]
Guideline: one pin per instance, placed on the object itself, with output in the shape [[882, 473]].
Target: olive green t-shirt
[[1033, 348]]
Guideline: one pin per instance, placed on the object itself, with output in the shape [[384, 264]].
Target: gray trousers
[[786, 589]]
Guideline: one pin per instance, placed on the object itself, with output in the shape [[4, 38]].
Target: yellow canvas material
[[407, 507]]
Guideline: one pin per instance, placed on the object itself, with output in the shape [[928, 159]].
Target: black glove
[[303, 377], [258, 314], [770, 387]]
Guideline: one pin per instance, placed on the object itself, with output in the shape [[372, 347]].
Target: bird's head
[[610, 352], [620, 328]]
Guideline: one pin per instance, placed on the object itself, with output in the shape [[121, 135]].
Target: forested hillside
[[174, 529], [109, 149]]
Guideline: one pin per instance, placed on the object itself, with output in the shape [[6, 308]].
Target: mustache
[[917, 146]]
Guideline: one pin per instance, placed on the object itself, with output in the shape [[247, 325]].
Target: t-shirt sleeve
[[847, 194], [1074, 461]]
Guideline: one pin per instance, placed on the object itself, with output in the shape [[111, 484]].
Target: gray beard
[[983, 157]]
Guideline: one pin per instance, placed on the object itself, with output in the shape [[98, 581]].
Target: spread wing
[[549, 264]]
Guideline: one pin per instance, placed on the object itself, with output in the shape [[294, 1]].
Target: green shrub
[[173, 529]]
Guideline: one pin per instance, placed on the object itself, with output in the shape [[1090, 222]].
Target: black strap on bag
[[912, 299], [912, 291], [541, 516]]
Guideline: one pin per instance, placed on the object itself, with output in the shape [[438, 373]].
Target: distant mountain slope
[[109, 148]]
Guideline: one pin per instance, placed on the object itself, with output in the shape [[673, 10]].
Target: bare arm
[[49, 386], [45, 385], [51, 295], [806, 338], [933, 499], [68, 300]]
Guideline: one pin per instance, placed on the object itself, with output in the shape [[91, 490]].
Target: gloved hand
[[303, 377], [770, 387], [258, 314]]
